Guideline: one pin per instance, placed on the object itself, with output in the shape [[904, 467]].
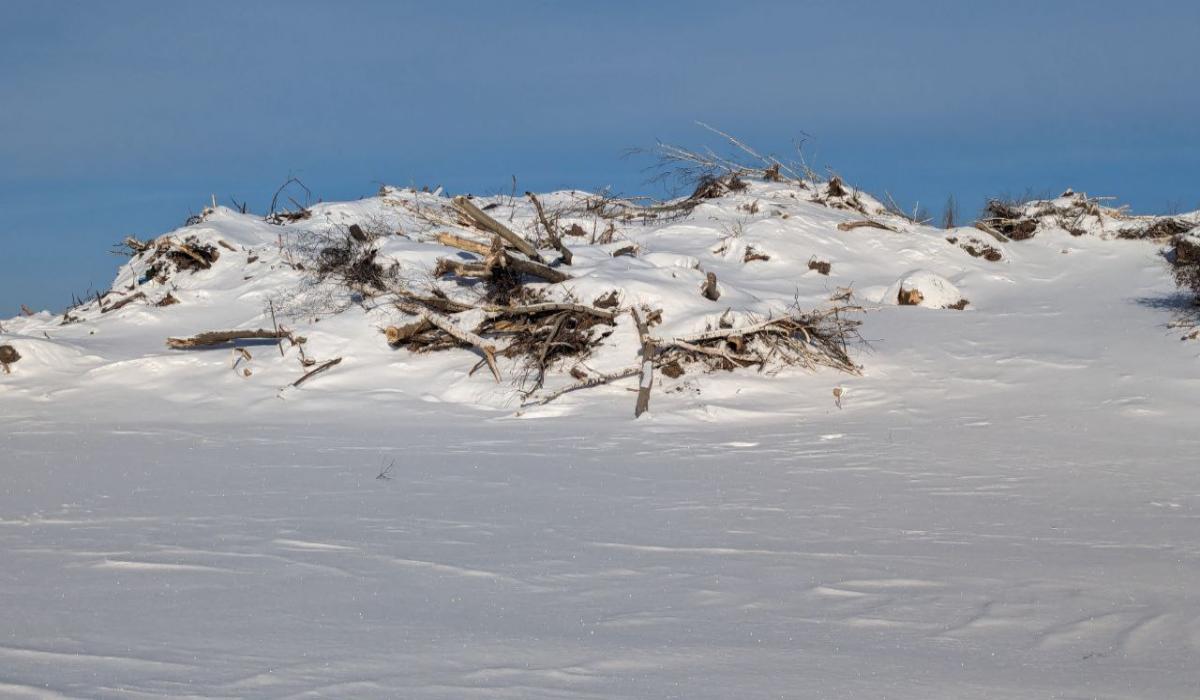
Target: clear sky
[[120, 118]]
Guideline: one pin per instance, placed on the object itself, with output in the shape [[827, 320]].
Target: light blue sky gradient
[[120, 118]]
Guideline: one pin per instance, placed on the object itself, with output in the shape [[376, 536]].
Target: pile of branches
[[1185, 262], [346, 256], [166, 256], [1021, 220]]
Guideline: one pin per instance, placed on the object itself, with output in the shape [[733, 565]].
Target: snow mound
[[923, 288]]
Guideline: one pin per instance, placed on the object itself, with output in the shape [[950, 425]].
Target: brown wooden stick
[[212, 338], [479, 217], [317, 370]]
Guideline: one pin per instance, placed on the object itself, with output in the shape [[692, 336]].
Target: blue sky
[[120, 118]]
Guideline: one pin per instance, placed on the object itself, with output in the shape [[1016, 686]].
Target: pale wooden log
[[481, 218], [398, 335], [453, 241], [535, 269], [212, 338]]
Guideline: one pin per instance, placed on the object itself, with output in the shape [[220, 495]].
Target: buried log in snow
[[212, 338]]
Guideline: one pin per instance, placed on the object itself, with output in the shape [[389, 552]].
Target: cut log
[[212, 338], [647, 371], [399, 335], [465, 207]]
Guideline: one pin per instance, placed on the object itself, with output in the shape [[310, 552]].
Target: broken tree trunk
[[586, 384], [212, 338], [647, 372], [710, 290], [480, 218]]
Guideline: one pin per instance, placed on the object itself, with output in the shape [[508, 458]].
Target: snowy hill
[[996, 496]]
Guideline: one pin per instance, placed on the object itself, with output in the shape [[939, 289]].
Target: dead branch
[[316, 370], [587, 384], [863, 223], [453, 241]]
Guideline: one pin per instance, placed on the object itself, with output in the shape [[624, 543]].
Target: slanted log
[[465, 207]]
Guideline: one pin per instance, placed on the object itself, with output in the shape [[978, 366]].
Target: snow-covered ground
[[1006, 505]]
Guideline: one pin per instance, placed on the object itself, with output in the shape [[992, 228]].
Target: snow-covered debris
[[1078, 214], [925, 288]]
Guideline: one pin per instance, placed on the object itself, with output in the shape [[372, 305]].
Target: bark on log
[[212, 338], [479, 217]]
